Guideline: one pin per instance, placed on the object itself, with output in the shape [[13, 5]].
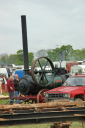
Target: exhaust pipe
[[25, 45]]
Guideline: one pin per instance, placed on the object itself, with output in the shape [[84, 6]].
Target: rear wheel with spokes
[[42, 71], [40, 97]]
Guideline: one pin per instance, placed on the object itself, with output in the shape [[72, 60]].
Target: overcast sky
[[49, 23]]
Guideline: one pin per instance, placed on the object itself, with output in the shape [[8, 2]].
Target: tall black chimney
[[25, 45]]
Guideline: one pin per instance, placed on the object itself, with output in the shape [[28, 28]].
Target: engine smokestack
[[25, 45]]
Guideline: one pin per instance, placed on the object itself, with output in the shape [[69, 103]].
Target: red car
[[73, 89]]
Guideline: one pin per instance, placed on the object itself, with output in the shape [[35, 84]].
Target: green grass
[[4, 101], [5, 94], [77, 125], [73, 125]]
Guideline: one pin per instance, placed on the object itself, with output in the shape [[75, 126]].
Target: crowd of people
[[12, 86]]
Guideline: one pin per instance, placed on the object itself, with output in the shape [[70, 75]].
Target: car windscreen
[[74, 81]]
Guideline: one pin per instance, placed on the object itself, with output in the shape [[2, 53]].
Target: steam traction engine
[[43, 75], [40, 80]]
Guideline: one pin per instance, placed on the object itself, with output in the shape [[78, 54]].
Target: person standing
[[5, 79], [16, 87], [10, 87], [0, 87]]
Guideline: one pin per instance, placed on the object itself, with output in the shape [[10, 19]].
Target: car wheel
[[78, 99], [79, 105]]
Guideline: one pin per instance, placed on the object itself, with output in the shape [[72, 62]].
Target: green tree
[[12, 58], [50, 55], [54, 54], [20, 60], [4, 58], [82, 54], [30, 57], [75, 55], [67, 50]]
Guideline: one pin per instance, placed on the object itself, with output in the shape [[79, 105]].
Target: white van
[[4, 71]]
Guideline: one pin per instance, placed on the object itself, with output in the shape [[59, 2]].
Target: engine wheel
[[42, 71], [39, 95]]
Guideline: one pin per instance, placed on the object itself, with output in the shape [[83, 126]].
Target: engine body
[[27, 85]]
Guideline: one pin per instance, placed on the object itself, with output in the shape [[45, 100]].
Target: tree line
[[16, 59], [65, 52]]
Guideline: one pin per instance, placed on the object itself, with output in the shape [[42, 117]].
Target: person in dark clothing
[[10, 88], [16, 87]]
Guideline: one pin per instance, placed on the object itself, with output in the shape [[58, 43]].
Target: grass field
[[4, 101], [73, 125]]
